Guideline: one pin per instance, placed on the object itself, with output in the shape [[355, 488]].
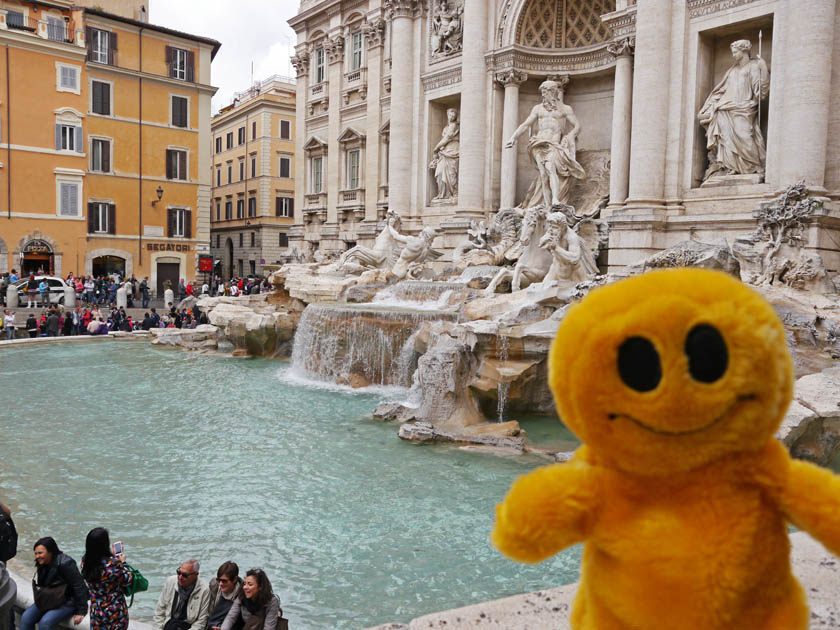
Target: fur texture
[[680, 494]]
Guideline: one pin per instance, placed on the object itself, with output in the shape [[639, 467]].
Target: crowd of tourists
[[102, 290], [63, 591], [55, 322]]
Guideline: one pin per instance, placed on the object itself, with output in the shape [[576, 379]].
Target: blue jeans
[[45, 620]]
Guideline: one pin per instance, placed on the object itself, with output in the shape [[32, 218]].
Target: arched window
[[563, 23]]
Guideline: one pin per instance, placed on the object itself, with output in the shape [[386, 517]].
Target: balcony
[[315, 200], [319, 90], [53, 29], [354, 197]]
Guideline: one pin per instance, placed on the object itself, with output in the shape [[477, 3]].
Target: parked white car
[[56, 289]]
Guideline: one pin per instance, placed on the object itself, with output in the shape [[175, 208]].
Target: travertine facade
[[253, 204], [684, 148]]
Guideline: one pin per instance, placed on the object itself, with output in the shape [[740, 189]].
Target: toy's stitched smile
[[738, 400]]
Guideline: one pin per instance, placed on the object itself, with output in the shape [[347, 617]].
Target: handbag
[[138, 583], [48, 597], [282, 622]]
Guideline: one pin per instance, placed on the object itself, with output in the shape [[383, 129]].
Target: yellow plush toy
[[675, 381]]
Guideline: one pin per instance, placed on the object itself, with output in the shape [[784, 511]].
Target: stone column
[[401, 13], [651, 92], [334, 48], [510, 80], [374, 30], [809, 37], [473, 160], [622, 50]]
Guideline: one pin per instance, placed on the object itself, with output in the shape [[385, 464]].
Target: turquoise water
[[197, 455]]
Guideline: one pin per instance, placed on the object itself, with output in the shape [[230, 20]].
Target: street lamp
[[159, 192]]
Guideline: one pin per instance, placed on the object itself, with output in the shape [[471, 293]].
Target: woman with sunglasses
[[224, 590], [257, 607]]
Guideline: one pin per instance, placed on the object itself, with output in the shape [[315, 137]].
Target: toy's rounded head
[[671, 370]]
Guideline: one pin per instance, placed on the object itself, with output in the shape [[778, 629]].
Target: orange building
[[105, 131], [253, 178]]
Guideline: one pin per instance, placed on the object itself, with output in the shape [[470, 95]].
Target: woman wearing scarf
[[256, 606]]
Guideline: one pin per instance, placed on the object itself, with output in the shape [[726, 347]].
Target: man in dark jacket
[[148, 322], [32, 326], [53, 323]]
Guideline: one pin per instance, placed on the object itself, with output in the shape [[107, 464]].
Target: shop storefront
[[37, 257]]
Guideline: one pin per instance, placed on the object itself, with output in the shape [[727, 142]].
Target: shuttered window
[[285, 167], [228, 210], [241, 135], [69, 200], [68, 138], [252, 206], [284, 207], [285, 129], [101, 97], [283, 240], [240, 208], [179, 111], [229, 139], [102, 218], [181, 63], [102, 46], [100, 155], [69, 77], [219, 144], [178, 223], [176, 164]]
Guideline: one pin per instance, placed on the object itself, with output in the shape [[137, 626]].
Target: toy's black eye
[[639, 365], [706, 352]]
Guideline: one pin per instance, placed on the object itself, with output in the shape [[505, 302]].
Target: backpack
[[8, 537]]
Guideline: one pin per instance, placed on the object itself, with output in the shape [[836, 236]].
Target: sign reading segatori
[[167, 247]]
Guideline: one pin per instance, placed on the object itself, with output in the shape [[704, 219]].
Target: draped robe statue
[[730, 115], [445, 160]]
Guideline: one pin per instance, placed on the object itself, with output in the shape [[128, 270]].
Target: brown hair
[[228, 569]]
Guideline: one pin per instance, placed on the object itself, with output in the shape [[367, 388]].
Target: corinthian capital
[[403, 8], [374, 32], [301, 62], [511, 77], [623, 47], [335, 48]]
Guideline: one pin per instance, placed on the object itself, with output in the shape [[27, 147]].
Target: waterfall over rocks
[[359, 345]]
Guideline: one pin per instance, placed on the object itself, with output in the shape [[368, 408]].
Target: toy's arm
[[811, 500], [546, 511]]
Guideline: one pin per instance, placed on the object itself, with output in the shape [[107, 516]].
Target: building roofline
[[161, 29]]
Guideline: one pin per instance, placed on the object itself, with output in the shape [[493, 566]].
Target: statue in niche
[[552, 148], [445, 158], [417, 250], [573, 260], [447, 29], [385, 252], [730, 116]]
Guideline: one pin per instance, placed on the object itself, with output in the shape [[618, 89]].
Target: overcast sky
[[249, 30]]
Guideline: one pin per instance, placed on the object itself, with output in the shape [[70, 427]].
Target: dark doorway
[[107, 265], [167, 271], [228, 266], [37, 264]]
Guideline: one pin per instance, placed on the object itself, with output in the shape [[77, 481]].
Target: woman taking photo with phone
[[256, 606], [58, 589], [107, 575]]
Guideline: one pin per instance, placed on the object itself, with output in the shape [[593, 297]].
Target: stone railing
[[354, 197], [316, 200], [355, 77], [319, 90]]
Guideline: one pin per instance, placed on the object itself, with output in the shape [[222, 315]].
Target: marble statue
[[385, 252], [552, 148], [445, 158], [417, 251], [730, 116], [533, 261], [573, 261], [488, 245], [447, 29]]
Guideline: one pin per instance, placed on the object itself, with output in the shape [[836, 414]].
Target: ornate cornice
[[699, 8], [622, 23], [404, 8], [543, 63], [511, 77], [374, 32], [624, 47]]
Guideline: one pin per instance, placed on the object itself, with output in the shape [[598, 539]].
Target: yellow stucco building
[[104, 143], [253, 194]]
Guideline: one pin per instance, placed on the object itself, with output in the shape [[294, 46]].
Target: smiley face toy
[[675, 382]]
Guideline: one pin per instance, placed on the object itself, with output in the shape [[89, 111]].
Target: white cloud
[[249, 31]]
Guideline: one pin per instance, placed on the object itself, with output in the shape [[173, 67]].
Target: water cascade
[[359, 344], [419, 294], [502, 389]]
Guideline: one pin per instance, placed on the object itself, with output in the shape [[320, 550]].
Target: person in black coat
[[32, 326], [54, 570]]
